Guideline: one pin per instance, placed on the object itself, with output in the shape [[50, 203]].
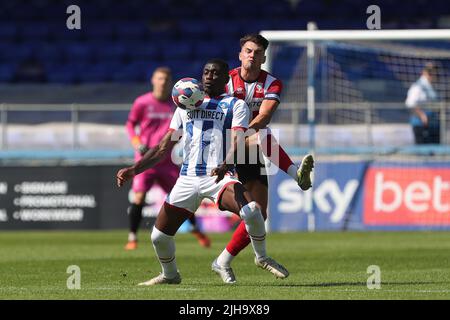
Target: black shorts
[[252, 171]]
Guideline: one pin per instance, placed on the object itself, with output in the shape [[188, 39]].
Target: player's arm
[[268, 106], [412, 102], [239, 126], [134, 117], [237, 140], [150, 158], [266, 111]]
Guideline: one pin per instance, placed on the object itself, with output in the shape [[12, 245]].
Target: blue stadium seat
[[289, 24], [35, 31], [14, 53], [7, 72], [193, 29], [220, 28], [204, 50], [184, 10], [48, 51], [142, 51], [185, 68], [276, 9], [78, 52], [98, 31], [108, 51], [142, 70], [127, 31], [254, 25], [23, 12], [176, 50], [66, 36], [62, 74], [100, 72], [8, 32]]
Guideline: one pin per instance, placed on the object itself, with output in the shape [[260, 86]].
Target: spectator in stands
[[425, 122], [147, 124]]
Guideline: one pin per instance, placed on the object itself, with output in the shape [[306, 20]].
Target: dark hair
[[430, 68], [256, 38], [220, 62]]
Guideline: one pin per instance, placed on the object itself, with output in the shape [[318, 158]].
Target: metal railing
[[364, 114]]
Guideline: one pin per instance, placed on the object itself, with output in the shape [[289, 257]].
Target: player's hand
[[220, 172], [136, 142], [123, 175]]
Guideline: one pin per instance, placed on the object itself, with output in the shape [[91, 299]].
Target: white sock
[[165, 250], [254, 223], [225, 258], [132, 237], [292, 171]]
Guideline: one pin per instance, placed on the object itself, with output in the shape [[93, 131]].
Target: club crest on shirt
[[259, 88]]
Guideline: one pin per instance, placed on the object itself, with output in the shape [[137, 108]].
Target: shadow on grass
[[337, 284]]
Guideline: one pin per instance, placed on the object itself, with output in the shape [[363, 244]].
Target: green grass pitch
[[323, 265]]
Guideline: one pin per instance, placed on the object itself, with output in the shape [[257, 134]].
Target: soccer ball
[[187, 93]]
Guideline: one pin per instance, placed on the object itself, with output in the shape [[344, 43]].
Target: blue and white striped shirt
[[206, 132]]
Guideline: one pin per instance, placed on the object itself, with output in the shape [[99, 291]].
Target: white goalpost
[[343, 56], [349, 86]]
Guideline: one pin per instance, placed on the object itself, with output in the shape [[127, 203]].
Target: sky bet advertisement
[[364, 196]]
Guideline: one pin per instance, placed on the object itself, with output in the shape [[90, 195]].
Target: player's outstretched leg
[[202, 238], [238, 200], [167, 223], [240, 239], [279, 157], [304, 172]]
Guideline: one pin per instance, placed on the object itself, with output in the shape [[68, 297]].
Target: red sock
[[239, 240], [280, 158]]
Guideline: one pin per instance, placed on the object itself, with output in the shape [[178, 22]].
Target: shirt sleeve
[[177, 122], [274, 90], [134, 117], [241, 115], [414, 97]]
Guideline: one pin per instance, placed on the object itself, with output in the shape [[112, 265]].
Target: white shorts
[[189, 191]]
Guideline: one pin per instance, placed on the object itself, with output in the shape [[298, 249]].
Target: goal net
[[359, 85], [344, 98]]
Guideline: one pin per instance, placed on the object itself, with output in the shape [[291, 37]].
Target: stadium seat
[[131, 31], [97, 73], [136, 51], [35, 31], [48, 51], [78, 52], [15, 53], [108, 51], [7, 73], [204, 50], [193, 29], [62, 74], [223, 28], [176, 50], [8, 32], [99, 31]]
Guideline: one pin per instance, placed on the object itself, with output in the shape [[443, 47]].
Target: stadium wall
[[77, 196], [364, 195], [408, 194]]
